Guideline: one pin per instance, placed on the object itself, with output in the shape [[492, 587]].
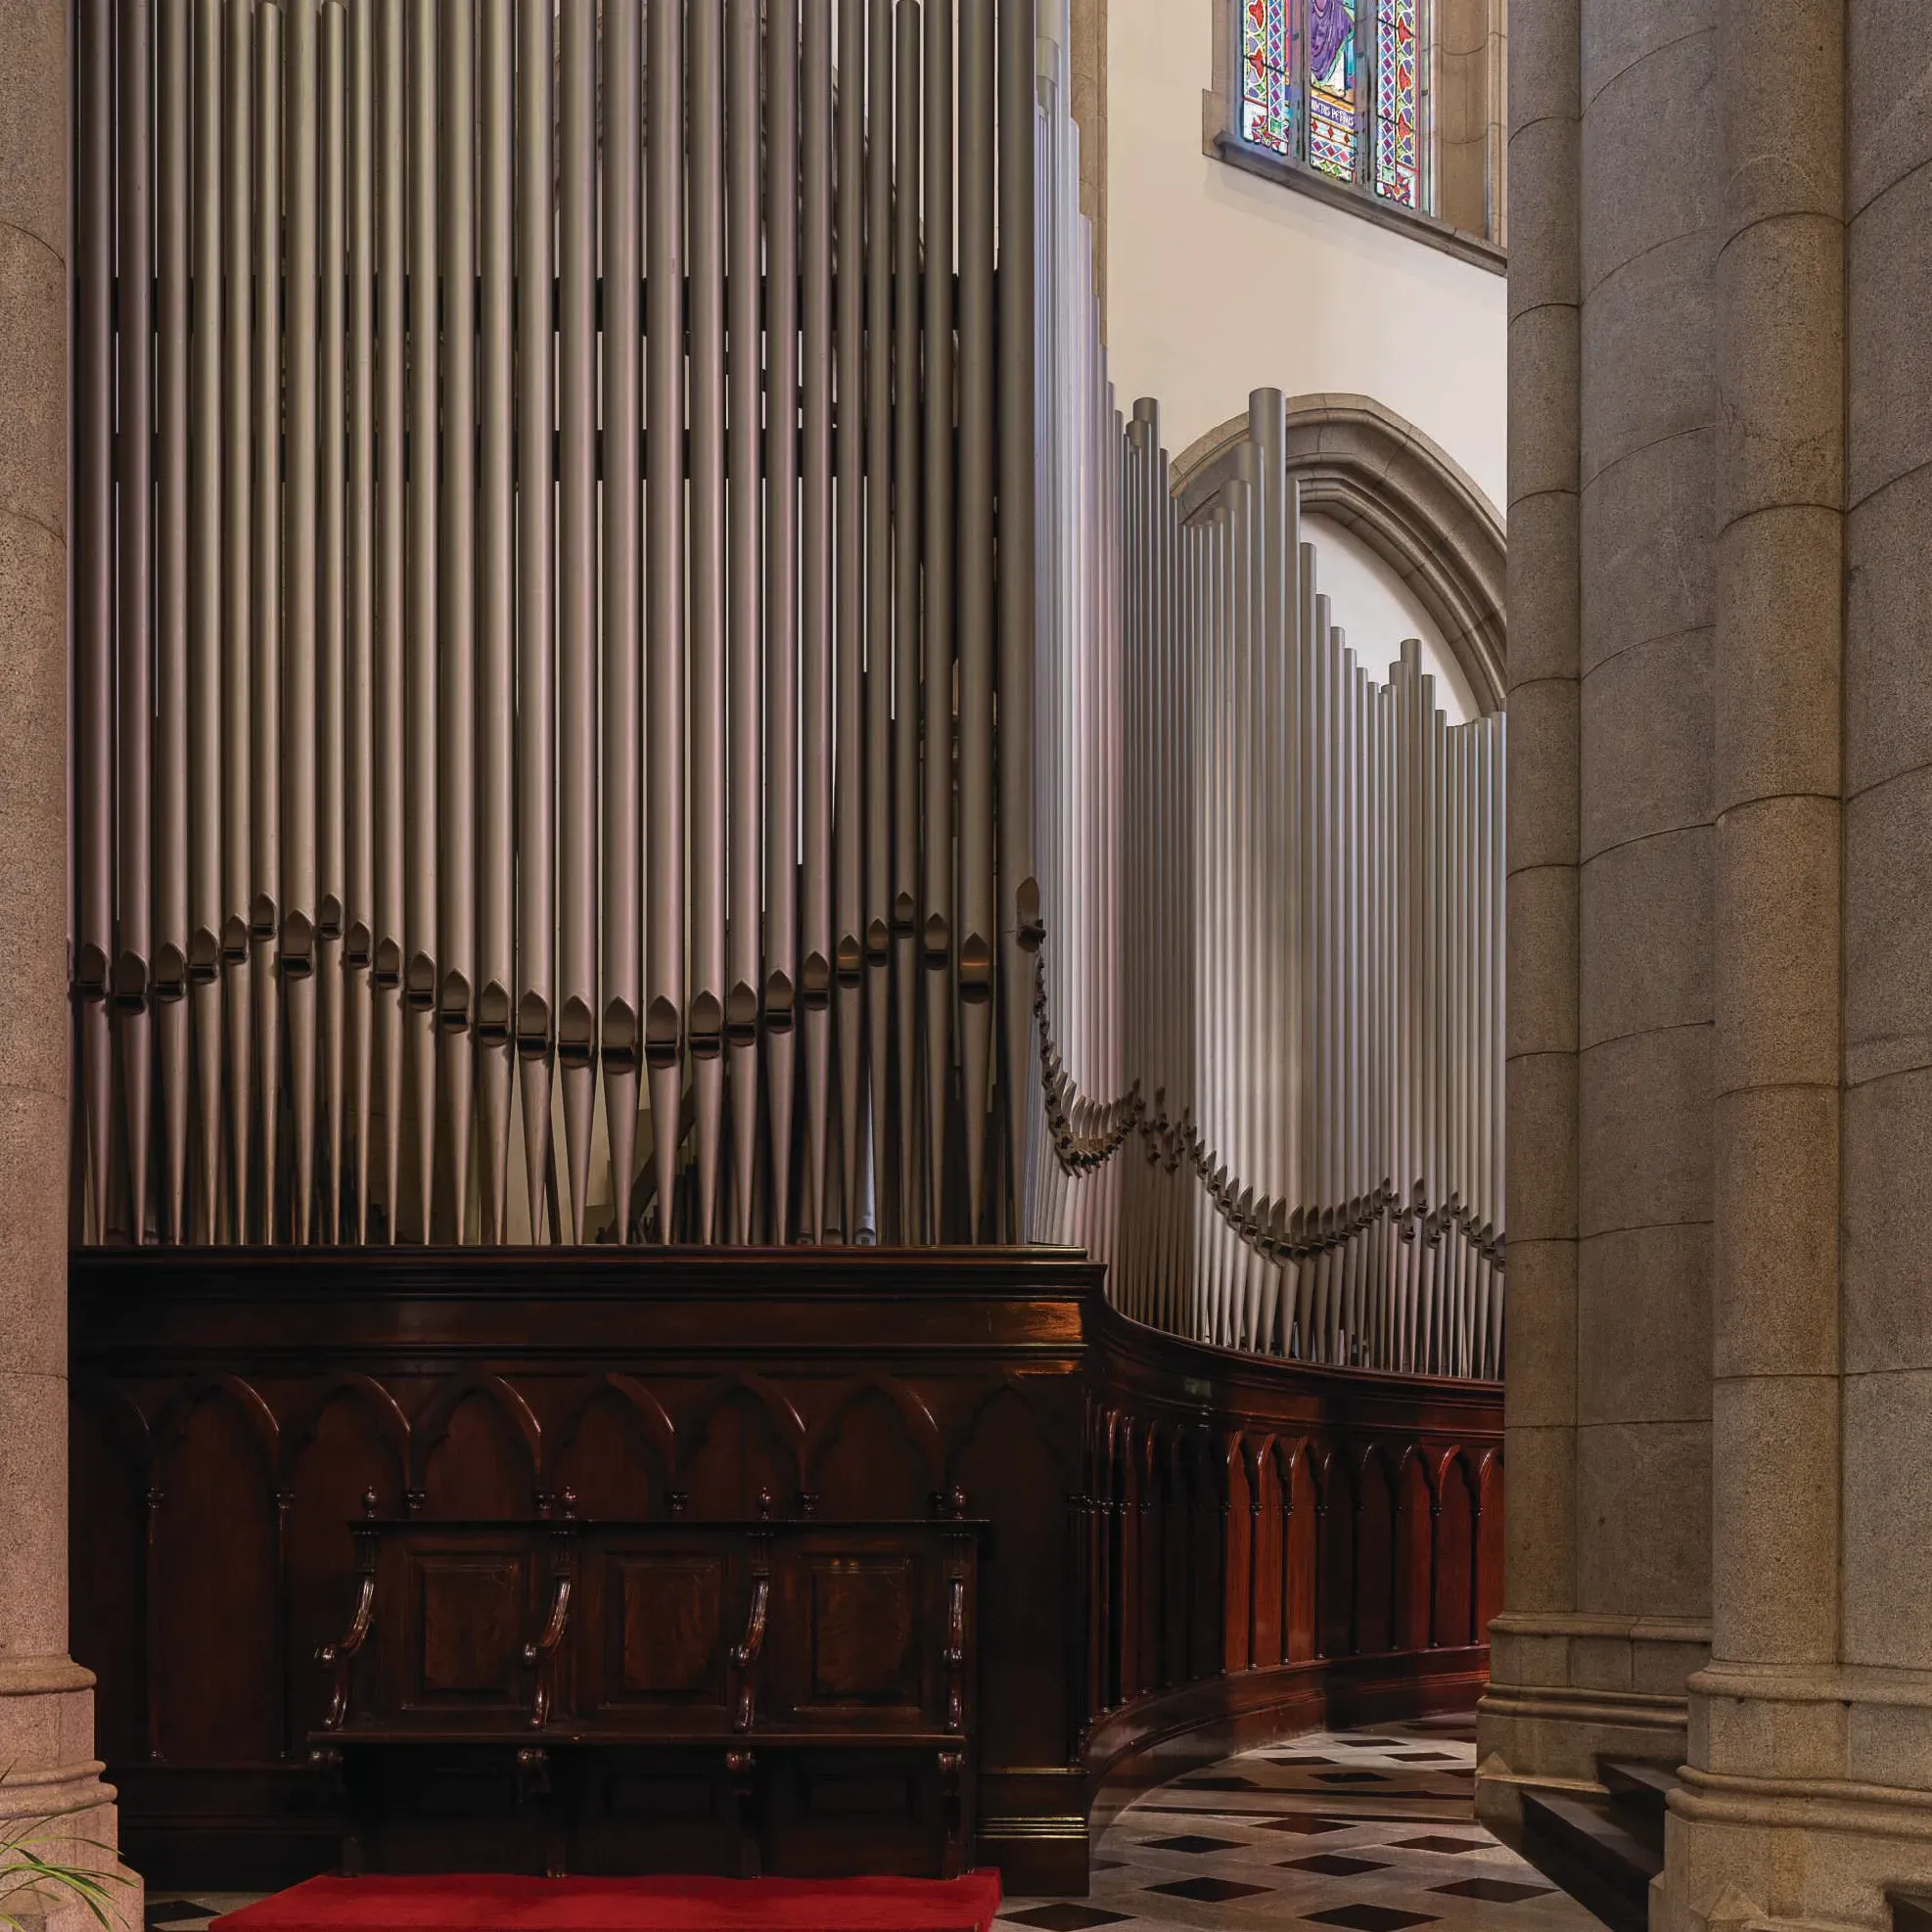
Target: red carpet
[[489, 1903]]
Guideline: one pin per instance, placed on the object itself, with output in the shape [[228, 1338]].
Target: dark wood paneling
[[1266, 1545], [1168, 1522]]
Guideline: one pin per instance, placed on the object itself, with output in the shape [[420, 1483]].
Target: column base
[[1807, 1797], [47, 1753], [1567, 1691]]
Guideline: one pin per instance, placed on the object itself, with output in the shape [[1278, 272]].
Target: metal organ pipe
[[536, 600], [420, 624], [664, 672], [263, 618], [782, 781], [905, 1135], [706, 723], [130, 981], [577, 592], [496, 619], [174, 188], [744, 601], [297, 776], [359, 632], [94, 601], [388, 671], [618, 912], [815, 625], [848, 715], [953, 839], [332, 616], [937, 917]]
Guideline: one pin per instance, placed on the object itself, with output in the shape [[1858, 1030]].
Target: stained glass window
[[1397, 173], [1339, 85], [1268, 84], [1332, 105]]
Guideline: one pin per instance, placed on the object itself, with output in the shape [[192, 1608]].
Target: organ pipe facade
[[638, 688]]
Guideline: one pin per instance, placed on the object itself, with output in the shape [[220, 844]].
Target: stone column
[[1609, 1328], [1540, 1092], [1809, 1788], [46, 1701]]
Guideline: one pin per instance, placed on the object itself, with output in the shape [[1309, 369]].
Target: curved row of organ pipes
[[638, 688], [1271, 999]]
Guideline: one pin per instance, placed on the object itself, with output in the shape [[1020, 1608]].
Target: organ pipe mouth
[[261, 917], [298, 948], [575, 1040], [533, 1024], [741, 1015], [816, 979], [129, 986], [453, 1010], [1031, 929], [850, 960], [494, 1014], [620, 1036], [203, 954], [329, 919], [662, 1032], [975, 968], [388, 970], [419, 981], [878, 942], [778, 999], [938, 941], [235, 937], [707, 1029], [358, 945], [90, 972], [170, 972]]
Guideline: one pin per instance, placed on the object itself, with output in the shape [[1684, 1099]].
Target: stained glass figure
[[1397, 173], [1267, 87], [1333, 108]]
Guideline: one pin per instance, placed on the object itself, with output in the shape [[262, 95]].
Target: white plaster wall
[[1220, 282], [1378, 610]]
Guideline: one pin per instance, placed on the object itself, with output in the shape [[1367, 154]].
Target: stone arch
[[1400, 492]]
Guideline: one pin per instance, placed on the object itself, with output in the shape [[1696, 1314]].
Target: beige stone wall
[[1088, 60], [1471, 129]]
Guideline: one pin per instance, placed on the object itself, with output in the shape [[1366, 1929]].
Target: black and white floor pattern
[[1365, 1832], [1369, 1832]]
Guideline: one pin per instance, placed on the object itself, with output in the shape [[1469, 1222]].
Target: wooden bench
[[560, 1694]]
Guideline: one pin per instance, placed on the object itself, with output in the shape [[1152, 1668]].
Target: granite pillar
[[1607, 1598], [46, 1701], [1807, 1792]]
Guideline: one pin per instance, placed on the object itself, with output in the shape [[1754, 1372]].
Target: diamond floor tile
[[1494, 1891], [1370, 1918]]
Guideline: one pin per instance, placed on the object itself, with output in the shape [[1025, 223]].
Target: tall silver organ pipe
[[681, 632], [1276, 1110]]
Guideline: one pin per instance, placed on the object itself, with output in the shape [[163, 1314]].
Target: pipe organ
[[630, 684]]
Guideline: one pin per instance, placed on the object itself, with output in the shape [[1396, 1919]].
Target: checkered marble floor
[[1368, 1831]]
